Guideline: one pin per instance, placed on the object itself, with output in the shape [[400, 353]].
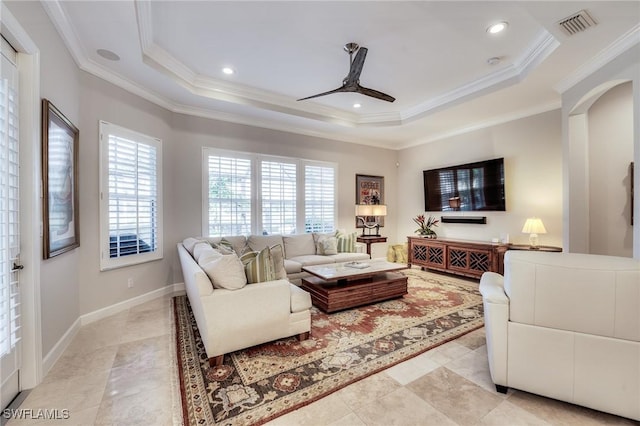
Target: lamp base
[[533, 241]]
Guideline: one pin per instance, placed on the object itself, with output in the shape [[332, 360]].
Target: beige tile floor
[[120, 371]]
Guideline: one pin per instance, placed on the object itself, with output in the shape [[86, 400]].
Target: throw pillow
[[225, 272], [189, 243], [201, 248], [258, 266], [346, 242], [391, 255], [277, 254], [400, 251], [330, 245], [224, 246]]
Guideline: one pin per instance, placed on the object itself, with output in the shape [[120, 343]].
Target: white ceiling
[[431, 56]]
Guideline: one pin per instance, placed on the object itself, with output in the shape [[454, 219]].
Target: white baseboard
[[127, 304], [64, 342], [58, 349]]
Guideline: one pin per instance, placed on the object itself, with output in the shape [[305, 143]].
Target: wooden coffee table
[[338, 286]]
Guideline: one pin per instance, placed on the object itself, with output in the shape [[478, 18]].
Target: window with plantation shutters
[[259, 194], [319, 198], [228, 195], [278, 196], [131, 197]]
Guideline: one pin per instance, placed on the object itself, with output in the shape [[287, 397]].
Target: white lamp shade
[[371, 210], [534, 225]]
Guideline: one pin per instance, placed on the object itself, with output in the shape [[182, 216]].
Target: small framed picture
[[60, 182], [370, 190]]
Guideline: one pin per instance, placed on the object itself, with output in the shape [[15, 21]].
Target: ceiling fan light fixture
[[498, 27], [228, 71]]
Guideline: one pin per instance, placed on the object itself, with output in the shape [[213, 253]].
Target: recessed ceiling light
[[498, 27], [357, 105], [493, 61], [228, 71], [107, 54]]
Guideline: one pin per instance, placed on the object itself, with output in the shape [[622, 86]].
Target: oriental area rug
[[258, 384]]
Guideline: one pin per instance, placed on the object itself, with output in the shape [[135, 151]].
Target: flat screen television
[[468, 187]]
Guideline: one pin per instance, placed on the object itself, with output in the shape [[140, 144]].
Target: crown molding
[[65, 29], [539, 50], [165, 63], [609, 53], [156, 57]]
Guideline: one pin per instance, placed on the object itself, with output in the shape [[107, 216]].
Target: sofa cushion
[[346, 242], [258, 266], [312, 259], [300, 299], [226, 272], [277, 254], [189, 244], [298, 245], [292, 267], [259, 242]]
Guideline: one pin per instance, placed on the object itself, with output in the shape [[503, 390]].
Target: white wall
[[531, 148], [610, 125], [100, 100]]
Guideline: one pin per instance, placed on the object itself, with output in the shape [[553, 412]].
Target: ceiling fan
[[351, 82]]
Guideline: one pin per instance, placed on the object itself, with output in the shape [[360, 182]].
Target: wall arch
[[576, 103]]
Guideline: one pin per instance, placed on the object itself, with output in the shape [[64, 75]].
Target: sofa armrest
[[496, 321], [492, 288]]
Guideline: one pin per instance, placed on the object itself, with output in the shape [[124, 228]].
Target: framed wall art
[[370, 190], [60, 139]]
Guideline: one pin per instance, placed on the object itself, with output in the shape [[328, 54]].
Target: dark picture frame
[[631, 183], [369, 190], [60, 140]]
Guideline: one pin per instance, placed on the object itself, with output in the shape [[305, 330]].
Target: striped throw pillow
[[258, 266], [346, 242]]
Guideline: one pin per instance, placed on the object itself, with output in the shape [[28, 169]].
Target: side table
[[371, 239], [502, 249]]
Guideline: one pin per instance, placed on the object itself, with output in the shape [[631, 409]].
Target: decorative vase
[[428, 233]]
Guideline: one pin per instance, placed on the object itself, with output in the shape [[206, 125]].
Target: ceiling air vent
[[577, 23]]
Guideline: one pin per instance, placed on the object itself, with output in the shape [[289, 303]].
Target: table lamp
[[533, 226], [364, 211]]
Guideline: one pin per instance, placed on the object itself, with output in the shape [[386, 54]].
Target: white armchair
[[566, 326]]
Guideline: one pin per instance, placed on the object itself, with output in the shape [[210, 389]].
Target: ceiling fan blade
[[356, 67], [375, 94], [338, 90]]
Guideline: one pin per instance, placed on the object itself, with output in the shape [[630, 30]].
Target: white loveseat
[[566, 326]]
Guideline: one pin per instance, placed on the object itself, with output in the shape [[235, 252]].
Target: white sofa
[[299, 250], [566, 326], [230, 320]]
